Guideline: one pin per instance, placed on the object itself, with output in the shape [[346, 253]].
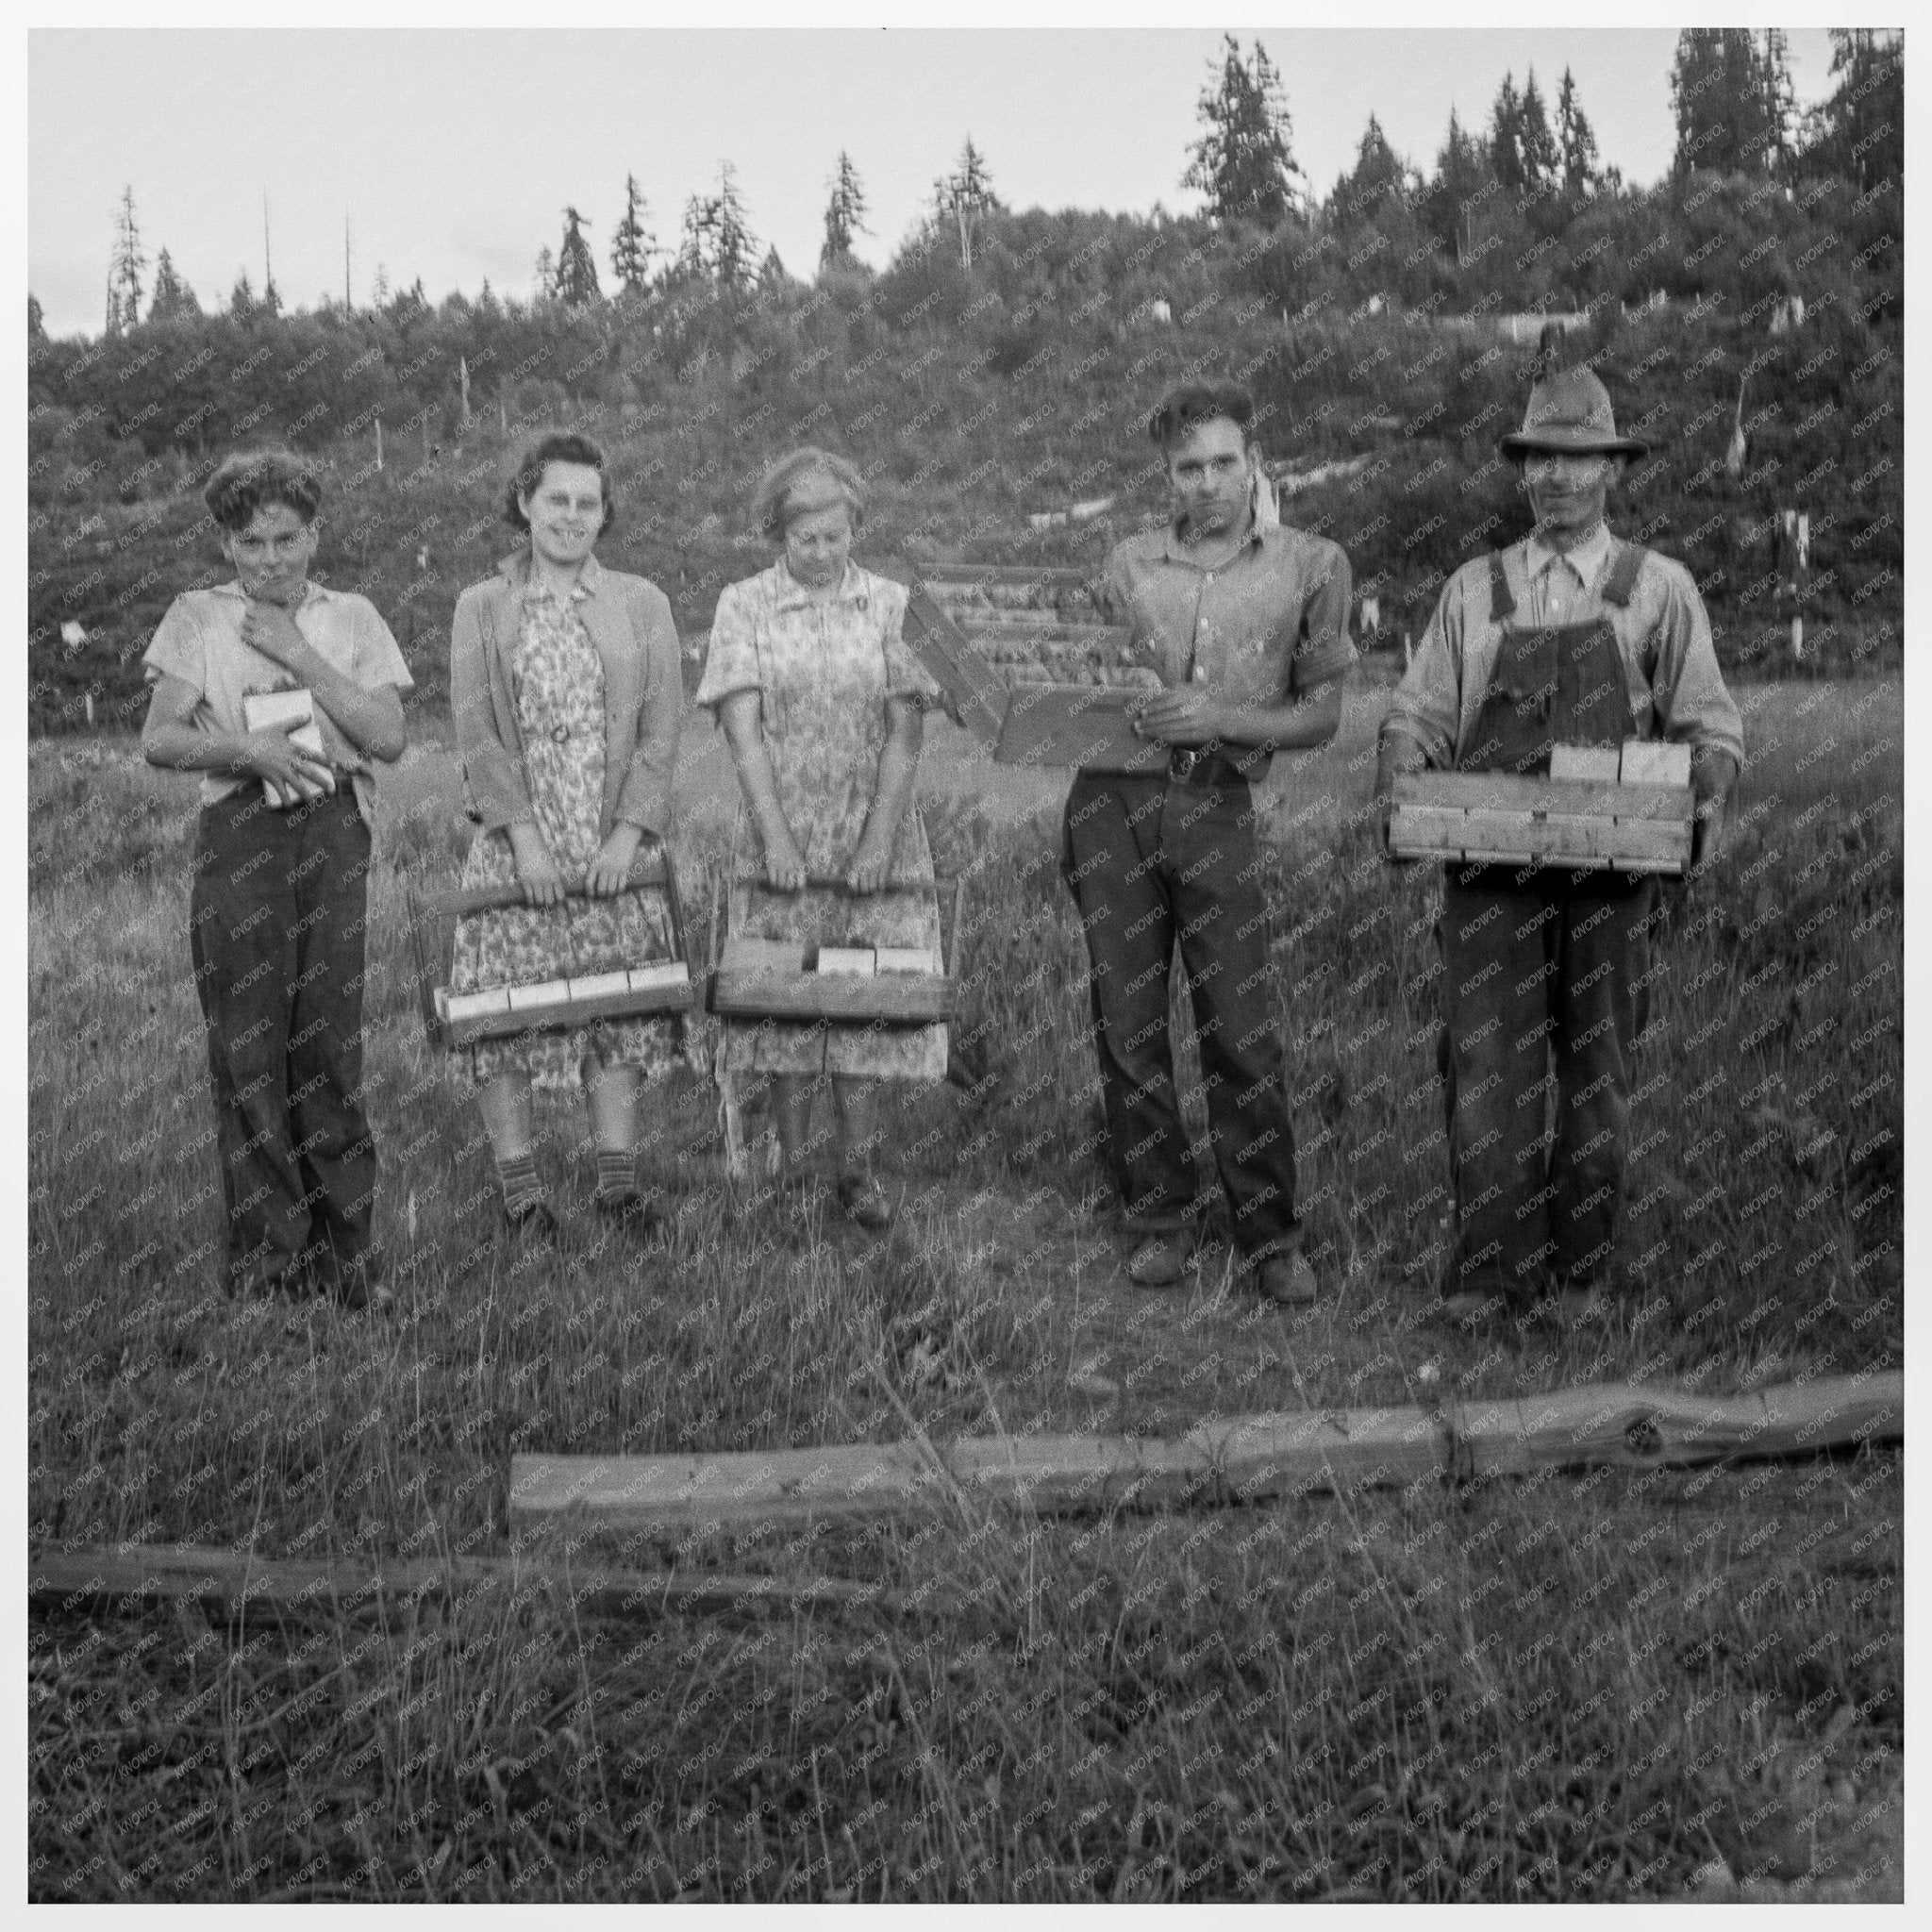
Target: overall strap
[[1502, 605], [1627, 560]]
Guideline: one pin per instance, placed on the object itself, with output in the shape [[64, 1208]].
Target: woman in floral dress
[[823, 704], [567, 690]]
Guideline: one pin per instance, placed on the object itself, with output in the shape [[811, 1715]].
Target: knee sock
[[517, 1175], [616, 1172]]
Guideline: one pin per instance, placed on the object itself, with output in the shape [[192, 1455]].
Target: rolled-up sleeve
[[493, 770], [379, 659], [646, 799], [731, 658], [1693, 705], [1427, 707], [1324, 649], [177, 649]]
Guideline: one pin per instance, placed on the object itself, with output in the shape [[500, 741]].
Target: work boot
[[1162, 1259], [1286, 1278], [864, 1202]]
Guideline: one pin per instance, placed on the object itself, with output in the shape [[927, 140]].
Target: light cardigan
[[628, 619]]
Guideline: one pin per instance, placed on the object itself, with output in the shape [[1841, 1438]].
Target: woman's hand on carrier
[[870, 868], [611, 870], [784, 865], [537, 871]]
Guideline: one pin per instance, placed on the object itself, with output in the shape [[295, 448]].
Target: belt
[[1203, 764]]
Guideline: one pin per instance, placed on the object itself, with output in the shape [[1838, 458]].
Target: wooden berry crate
[[788, 979], [652, 987], [1037, 686], [1500, 819]]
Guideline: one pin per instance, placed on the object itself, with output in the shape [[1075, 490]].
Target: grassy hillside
[[973, 399]]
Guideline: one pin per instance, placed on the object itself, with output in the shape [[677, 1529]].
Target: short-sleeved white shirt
[[200, 642]]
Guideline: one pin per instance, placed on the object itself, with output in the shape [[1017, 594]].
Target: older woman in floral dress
[[823, 704], [567, 690]]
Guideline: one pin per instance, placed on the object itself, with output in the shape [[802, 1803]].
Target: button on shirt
[[200, 642], [1675, 689], [1560, 581], [1266, 626]]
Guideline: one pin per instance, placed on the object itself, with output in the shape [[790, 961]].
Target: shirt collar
[[1587, 558], [310, 589], [515, 569], [792, 595], [1176, 551]]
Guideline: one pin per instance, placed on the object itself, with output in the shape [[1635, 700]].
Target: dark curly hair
[[559, 446], [252, 480], [1191, 403]]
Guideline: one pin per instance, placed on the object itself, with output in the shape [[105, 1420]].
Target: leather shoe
[[1161, 1259], [864, 1201], [533, 1222], [630, 1211], [1578, 1302], [1471, 1304], [1286, 1278]]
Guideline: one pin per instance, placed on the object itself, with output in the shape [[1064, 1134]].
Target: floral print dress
[[558, 681], [825, 671]]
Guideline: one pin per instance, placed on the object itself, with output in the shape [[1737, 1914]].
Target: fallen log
[[70, 1579], [1243, 1458]]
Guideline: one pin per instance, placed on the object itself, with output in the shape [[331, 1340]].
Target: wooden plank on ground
[[64, 1579], [1248, 1458]]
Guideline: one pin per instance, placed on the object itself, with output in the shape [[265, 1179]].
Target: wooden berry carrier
[[1599, 811], [1037, 688], [658, 986], [788, 979]]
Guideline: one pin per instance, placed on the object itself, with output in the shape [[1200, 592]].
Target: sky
[[451, 156]]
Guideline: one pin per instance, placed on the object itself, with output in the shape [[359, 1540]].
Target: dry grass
[[1553, 1690]]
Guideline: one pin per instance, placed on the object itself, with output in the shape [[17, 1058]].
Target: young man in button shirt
[[1246, 627], [280, 895], [1571, 637]]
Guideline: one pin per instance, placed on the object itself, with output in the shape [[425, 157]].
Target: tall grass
[[1562, 1689]]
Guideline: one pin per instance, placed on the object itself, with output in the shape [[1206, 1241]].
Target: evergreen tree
[[1378, 179], [378, 291], [1462, 171], [1575, 141], [546, 275], [576, 268], [1858, 132], [241, 302], [964, 196], [123, 276], [1780, 105], [1721, 100], [1244, 161], [845, 214], [1541, 159], [1506, 136], [772, 270], [633, 245], [36, 320], [173, 297]]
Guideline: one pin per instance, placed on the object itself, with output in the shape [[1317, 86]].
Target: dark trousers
[[1550, 973], [276, 930], [1150, 860]]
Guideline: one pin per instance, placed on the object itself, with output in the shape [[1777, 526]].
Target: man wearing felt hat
[[1572, 637]]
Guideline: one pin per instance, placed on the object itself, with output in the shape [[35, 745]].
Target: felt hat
[[1570, 413]]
